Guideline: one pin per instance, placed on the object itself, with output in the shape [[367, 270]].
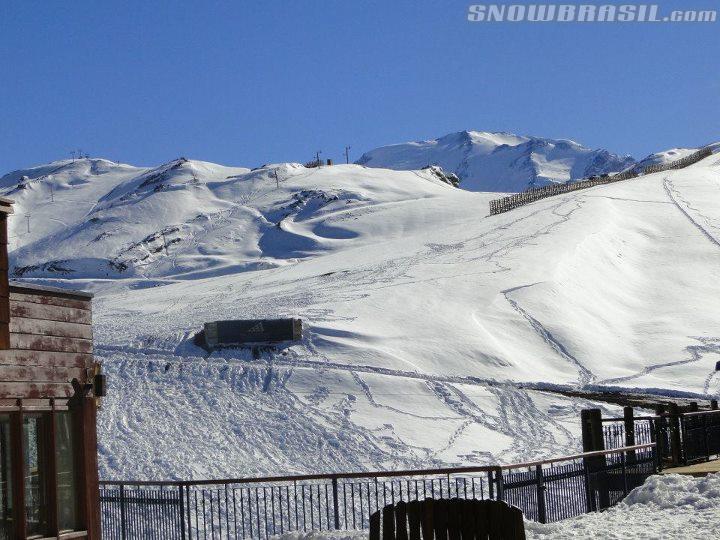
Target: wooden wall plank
[[19, 325], [49, 300], [40, 374], [31, 310], [34, 390], [45, 358], [49, 343], [4, 287]]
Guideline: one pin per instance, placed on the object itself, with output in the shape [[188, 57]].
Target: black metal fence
[[259, 508], [560, 489], [700, 432]]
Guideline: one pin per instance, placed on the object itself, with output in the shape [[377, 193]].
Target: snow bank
[[668, 507], [334, 535]]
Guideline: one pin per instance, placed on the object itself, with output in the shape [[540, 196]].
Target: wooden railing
[[498, 206]]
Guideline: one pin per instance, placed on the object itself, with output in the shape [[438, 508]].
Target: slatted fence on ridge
[[498, 206]]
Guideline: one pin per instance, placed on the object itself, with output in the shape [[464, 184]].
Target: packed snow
[[499, 161], [671, 507], [431, 330]]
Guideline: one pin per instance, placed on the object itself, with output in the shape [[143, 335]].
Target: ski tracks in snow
[[675, 198], [585, 375]]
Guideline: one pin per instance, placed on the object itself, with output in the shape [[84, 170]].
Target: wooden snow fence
[[455, 519], [498, 206]]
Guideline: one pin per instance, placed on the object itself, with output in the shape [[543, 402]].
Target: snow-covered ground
[[670, 507], [430, 327], [499, 161]]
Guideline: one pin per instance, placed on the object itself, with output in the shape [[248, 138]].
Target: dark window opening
[[66, 472], [35, 470]]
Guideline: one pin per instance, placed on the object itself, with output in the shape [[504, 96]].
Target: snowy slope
[[190, 218], [429, 325], [499, 161]]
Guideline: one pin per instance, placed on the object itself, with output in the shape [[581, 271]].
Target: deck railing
[[682, 438], [546, 491]]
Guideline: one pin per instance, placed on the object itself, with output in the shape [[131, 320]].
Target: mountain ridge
[[499, 161]]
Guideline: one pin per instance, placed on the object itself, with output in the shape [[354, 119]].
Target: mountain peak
[[499, 161]]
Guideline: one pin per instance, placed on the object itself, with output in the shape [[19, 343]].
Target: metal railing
[[615, 435], [262, 507], [700, 435]]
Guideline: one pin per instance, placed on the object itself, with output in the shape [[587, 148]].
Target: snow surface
[[499, 161], [431, 328], [670, 507]]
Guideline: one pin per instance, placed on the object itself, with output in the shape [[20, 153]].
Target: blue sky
[[245, 83]]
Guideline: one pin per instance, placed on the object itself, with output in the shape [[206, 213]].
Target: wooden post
[[675, 440], [694, 406], [540, 494], [591, 421], [714, 404], [5, 209], [84, 418]]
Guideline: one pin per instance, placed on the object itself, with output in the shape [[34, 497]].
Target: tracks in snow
[[585, 375]]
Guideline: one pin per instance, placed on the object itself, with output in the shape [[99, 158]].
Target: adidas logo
[[257, 328]]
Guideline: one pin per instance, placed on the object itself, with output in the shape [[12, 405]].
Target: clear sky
[[250, 82]]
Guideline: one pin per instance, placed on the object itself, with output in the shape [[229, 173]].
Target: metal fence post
[[675, 438], [182, 511], [542, 511], [335, 503], [589, 492], [624, 473], [500, 485], [123, 532], [629, 421]]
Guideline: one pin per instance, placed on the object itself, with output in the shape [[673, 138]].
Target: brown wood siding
[[4, 289], [50, 340]]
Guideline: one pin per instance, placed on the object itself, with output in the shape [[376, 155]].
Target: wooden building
[[48, 389]]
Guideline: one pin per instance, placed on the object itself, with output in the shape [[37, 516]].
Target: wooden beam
[[38, 374], [18, 474], [85, 419], [4, 287], [19, 325], [45, 358], [24, 390], [47, 299], [30, 310], [49, 343]]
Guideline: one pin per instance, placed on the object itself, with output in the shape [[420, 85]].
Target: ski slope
[[431, 328]]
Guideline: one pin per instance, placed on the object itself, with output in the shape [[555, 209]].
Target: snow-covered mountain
[[430, 328], [184, 219], [499, 161]]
